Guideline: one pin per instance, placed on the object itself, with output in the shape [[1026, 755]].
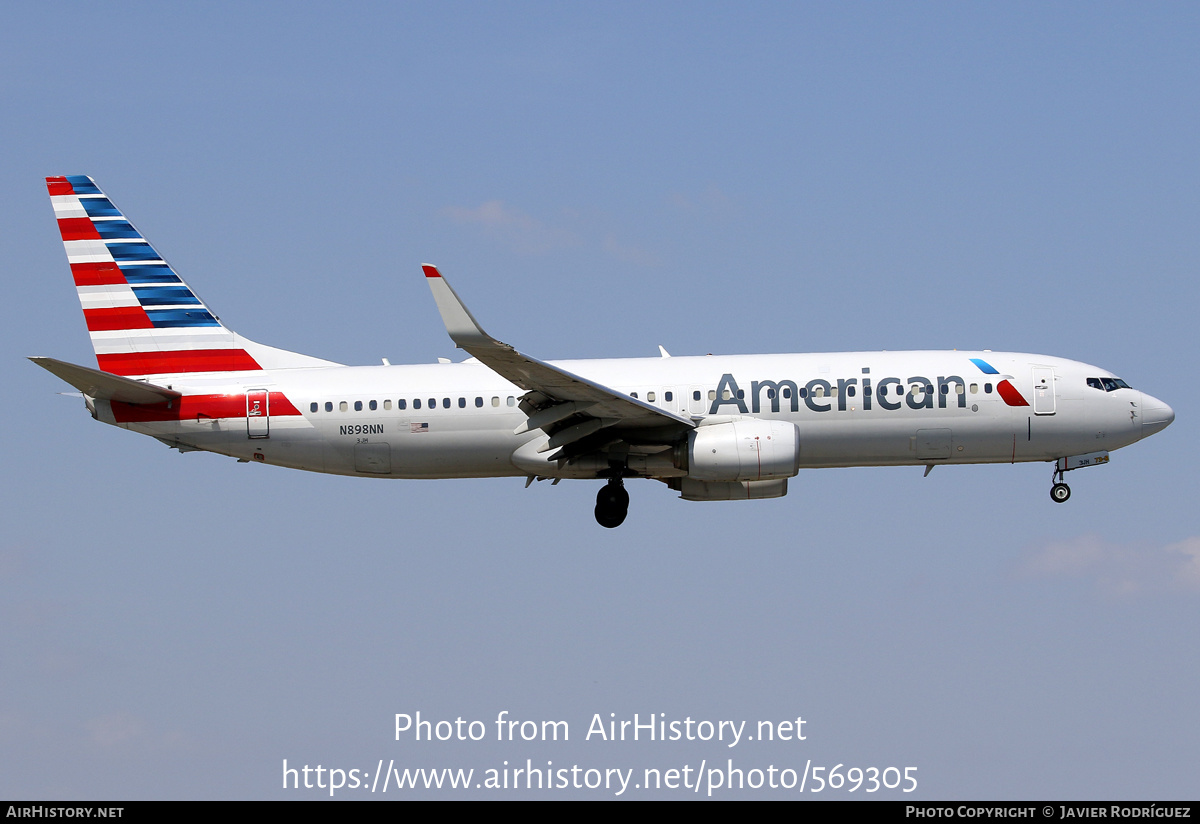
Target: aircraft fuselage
[[458, 419]]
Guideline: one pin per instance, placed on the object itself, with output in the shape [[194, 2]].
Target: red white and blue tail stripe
[[144, 320]]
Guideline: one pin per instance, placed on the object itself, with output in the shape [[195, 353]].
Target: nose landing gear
[[612, 504], [1059, 492]]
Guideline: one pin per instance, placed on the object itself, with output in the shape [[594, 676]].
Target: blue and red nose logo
[[1008, 392]]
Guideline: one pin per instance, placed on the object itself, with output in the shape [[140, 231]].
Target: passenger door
[[1043, 390]]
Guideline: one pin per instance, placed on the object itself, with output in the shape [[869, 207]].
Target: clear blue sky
[[599, 181]]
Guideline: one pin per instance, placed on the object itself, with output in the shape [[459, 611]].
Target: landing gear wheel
[[1059, 493], [612, 504]]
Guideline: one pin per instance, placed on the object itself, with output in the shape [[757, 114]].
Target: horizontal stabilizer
[[105, 385]]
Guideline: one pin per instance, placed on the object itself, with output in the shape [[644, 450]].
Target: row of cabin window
[[668, 397], [402, 403], [819, 392]]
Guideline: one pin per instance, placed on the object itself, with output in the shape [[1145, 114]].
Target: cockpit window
[[1107, 384]]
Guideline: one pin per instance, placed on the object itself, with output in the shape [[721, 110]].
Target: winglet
[[464, 330]]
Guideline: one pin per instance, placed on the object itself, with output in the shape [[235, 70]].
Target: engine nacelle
[[749, 449], [691, 489]]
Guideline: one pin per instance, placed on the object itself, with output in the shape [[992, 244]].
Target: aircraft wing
[[105, 385], [567, 406]]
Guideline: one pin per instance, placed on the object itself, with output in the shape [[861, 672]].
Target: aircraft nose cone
[[1156, 415]]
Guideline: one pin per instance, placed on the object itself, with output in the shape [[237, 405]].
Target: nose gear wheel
[[1059, 492]]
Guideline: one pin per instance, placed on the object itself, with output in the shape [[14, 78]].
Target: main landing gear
[[612, 504], [1059, 492]]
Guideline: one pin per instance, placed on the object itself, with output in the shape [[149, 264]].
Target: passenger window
[[462, 403], [402, 404], [358, 406], [433, 403], [479, 403], [387, 404], [819, 392], [696, 395], [343, 406], [650, 397], [633, 394], [445, 403], [771, 394], [312, 407], [974, 389], [668, 396], [959, 389], [849, 391], [372, 406], [712, 395], [328, 406], [495, 401], [416, 403], [512, 401], [987, 389], [787, 391]]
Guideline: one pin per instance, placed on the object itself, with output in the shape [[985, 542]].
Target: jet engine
[[748, 449]]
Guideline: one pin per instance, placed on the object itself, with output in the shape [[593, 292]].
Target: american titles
[[820, 395]]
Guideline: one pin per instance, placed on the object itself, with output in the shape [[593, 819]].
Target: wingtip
[[430, 270]]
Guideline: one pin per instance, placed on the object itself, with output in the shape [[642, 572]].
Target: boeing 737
[[712, 428]]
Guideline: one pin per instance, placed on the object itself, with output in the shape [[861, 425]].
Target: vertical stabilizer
[[144, 320]]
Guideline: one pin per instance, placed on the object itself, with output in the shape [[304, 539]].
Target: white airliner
[[713, 428]]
